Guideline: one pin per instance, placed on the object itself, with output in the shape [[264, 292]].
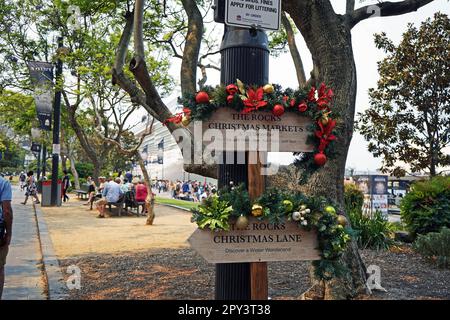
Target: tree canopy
[[408, 121]]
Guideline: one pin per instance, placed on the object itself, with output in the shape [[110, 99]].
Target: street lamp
[[36, 135]]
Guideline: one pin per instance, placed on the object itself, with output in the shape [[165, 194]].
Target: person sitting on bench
[[92, 189], [141, 195], [111, 194]]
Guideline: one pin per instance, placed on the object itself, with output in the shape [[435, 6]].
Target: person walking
[[22, 180], [31, 189], [6, 218], [65, 186]]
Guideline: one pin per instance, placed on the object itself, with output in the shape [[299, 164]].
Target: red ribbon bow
[[177, 118], [325, 134]]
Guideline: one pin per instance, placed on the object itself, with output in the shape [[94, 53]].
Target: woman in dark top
[[65, 186]]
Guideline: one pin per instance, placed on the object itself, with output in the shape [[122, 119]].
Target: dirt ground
[[121, 258], [75, 231], [182, 274]]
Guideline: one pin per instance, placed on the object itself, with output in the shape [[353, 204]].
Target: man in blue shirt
[[6, 218], [111, 193], [129, 176]]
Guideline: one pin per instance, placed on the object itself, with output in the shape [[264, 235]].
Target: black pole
[[56, 125], [244, 56], [38, 171], [44, 160]]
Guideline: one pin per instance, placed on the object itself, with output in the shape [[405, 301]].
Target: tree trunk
[[150, 201], [76, 178], [63, 162], [329, 41], [96, 172]]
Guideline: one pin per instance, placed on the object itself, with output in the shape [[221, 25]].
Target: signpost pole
[[56, 127], [244, 56], [259, 287]]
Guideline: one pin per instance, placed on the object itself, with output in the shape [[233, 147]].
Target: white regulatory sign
[[261, 14], [56, 149]]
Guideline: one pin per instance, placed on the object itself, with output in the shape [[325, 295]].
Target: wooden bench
[[130, 202], [83, 192], [119, 204]]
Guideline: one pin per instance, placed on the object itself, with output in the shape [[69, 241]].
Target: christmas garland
[[278, 207], [312, 103]]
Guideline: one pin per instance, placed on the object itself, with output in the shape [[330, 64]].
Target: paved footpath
[[23, 272]]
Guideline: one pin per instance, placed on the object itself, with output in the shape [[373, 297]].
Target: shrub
[[398, 226], [371, 232], [84, 169], [435, 246], [353, 197], [427, 207]]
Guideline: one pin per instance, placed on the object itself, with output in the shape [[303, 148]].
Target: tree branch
[[385, 9], [301, 78], [79, 130], [188, 75], [124, 42], [350, 6], [138, 29]]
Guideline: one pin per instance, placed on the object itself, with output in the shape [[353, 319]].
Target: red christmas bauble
[[320, 159], [278, 110], [230, 99], [232, 89], [202, 97]]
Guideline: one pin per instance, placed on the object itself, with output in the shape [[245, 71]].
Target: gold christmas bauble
[[342, 220], [185, 121], [242, 223], [268, 88], [257, 210]]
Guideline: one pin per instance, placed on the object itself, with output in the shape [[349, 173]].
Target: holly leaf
[[241, 87]]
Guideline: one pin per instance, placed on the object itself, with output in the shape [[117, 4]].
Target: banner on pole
[[35, 147], [41, 74]]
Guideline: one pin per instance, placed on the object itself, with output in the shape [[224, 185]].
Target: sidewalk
[[23, 271]]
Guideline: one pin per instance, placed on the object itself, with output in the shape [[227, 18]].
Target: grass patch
[[175, 202]]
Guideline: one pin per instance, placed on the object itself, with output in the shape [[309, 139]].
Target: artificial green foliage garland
[[313, 103], [278, 207]]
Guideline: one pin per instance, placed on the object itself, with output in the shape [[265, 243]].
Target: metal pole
[[56, 127], [244, 56], [38, 171], [44, 160]]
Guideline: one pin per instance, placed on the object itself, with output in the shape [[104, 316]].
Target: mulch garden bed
[[183, 274]]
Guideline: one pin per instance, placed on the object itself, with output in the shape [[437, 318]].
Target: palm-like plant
[[213, 214]]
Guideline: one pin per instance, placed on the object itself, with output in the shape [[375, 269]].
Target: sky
[[366, 58]]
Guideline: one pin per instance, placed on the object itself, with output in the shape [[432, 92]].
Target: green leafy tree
[[12, 155], [28, 33], [409, 116]]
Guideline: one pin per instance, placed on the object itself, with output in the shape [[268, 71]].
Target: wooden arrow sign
[[260, 242]]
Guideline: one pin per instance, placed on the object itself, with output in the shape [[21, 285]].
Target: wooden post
[[244, 56], [259, 288]]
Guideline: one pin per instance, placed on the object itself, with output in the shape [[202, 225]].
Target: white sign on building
[[261, 14]]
